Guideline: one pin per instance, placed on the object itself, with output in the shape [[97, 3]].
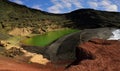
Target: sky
[[65, 6]]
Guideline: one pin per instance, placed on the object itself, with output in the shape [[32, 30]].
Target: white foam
[[116, 35]]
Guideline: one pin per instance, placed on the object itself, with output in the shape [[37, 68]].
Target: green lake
[[47, 38]]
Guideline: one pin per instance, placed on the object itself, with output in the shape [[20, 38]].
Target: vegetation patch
[[47, 38]]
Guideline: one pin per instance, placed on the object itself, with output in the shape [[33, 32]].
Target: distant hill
[[14, 15], [90, 18]]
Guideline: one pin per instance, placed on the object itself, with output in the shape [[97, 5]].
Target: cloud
[[112, 8], [77, 3], [108, 5], [54, 9], [103, 4], [36, 7], [59, 5], [93, 4], [17, 1]]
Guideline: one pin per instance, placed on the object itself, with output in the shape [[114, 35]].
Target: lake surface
[[47, 38]]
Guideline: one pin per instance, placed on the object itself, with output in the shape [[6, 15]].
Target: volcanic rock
[[97, 55], [93, 55], [101, 33], [63, 48]]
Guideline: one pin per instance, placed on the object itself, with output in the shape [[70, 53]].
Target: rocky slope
[[93, 55], [64, 48], [90, 18], [97, 55], [19, 16], [12, 17]]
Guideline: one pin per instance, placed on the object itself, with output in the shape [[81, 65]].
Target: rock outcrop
[[64, 48], [21, 31], [97, 55]]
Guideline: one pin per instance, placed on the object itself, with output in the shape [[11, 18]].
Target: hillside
[[90, 18], [13, 15]]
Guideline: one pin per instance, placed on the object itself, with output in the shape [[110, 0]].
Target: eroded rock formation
[[64, 48], [99, 55]]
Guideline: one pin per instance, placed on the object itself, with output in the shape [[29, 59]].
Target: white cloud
[[17, 1], [103, 4], [54, 9], [66, 4], [93, 4], [36, 7], [112, 8], [77, 3], [59, 5], [108, 5]]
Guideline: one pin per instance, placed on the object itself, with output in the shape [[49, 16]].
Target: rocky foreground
[[8, 64], [97, 55], [93, 55]]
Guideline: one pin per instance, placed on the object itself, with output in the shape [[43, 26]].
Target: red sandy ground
[[8, 64], [106, 53]]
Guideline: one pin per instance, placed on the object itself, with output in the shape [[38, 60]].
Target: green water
[[47, 38]]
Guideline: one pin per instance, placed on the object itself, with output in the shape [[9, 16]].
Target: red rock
[[105, 56]]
